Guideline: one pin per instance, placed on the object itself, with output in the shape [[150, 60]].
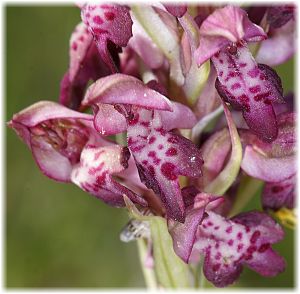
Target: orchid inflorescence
[[192, 90]]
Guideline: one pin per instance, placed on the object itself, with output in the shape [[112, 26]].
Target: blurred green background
[[57, 235]]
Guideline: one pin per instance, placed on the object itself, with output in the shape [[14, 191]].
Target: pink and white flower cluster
[[161, 75]]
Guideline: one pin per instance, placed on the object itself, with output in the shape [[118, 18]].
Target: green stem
[[247, 189], [149, 274]]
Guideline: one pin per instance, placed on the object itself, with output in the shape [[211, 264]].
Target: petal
[[108, 121], [225, 25], [94, 174], [244, 239], [280, 194], [268, 264], [249, 87], [123, 89], [56, 136], [108, 23], [215, 152], [279, 47], [270, 231], [220, 276], [80, 42], [47, 159], [184, 234], [85, 64], [46, 110], [161, 157], [173, 120], [267, 169]]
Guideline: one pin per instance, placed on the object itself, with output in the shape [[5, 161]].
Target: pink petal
[[56, 136], [108, 23], [215, 152], [267, 169], [123, 89], [184, 234], [85, 64], [279, 47], [161, 157], [249, 87], [108, 121], [94, 174], [229, 244], [173, 120], [46, 110], [48, 159]]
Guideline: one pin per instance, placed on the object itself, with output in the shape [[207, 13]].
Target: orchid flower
[[225, 42], [58, 135], [182, 113]]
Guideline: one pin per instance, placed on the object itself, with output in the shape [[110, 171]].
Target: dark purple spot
[[243, 64], [255, 89], [74, 46], [229, 230], [218, 256], [98, 31], [171, 151], [209, 223], [253, 73], [261, 96], [173, 139], [137, 148], [235, 86], [240, 247], [160, 146], [152, 140], [101, 179], [152, 154], [262, 77], [277, 189], [239, 235], [216, 227], [254, 236], [251, 249], [230, 242], [134, 120], [263, 247], [145, 162], [167, 170], [98, 20], [216, 267], [145, 124], [161, 130], [156, 161], [109, 15], [81, 38]]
